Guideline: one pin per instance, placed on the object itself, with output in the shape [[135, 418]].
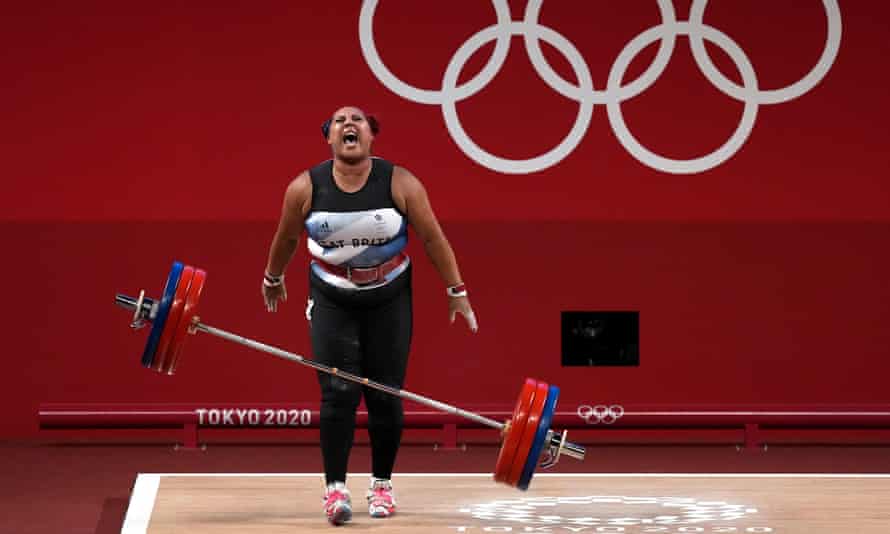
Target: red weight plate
[[528, 433], [182, 286], [185, 321], [514, 431]]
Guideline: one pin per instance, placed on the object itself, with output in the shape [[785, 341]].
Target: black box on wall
[[592, 338]]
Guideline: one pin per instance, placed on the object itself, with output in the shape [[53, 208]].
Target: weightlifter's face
[[350, 135]]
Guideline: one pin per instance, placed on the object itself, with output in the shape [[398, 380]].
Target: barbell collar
[[559, 442], [146, 309]]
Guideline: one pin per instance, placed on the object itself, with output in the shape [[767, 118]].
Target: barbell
[[527, 438]]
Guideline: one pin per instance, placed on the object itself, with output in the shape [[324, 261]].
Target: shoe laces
[[334, 492], [381, 490]]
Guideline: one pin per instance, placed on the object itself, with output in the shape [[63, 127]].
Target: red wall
[[133, 136]]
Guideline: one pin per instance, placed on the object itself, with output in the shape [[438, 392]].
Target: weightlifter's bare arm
[[297, 202]]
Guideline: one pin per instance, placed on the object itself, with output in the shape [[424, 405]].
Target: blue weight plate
[[540, 439], [157, 324]]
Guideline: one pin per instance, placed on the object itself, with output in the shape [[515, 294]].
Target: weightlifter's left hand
[[462, 306]]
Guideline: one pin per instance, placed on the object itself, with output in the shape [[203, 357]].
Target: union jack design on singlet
[[356, 238], [360, 229]]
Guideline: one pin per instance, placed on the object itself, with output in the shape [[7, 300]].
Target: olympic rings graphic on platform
[[609, 513], [614, 94], [600, 414]]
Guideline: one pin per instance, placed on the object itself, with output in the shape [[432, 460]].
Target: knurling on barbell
[[526, 436]]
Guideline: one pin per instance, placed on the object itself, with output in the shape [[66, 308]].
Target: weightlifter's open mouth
[[350, 138]]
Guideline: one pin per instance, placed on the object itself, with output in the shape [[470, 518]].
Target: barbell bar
[[526, 437]]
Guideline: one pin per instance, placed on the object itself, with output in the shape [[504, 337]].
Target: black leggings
[[366, 333]]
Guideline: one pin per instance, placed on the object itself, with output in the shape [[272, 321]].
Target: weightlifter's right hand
[[273, 291]]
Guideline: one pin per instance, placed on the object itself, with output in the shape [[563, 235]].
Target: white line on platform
[[141, 504]]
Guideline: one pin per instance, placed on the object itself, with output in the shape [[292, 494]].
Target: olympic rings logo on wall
[[615, 92], [600, 414]]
